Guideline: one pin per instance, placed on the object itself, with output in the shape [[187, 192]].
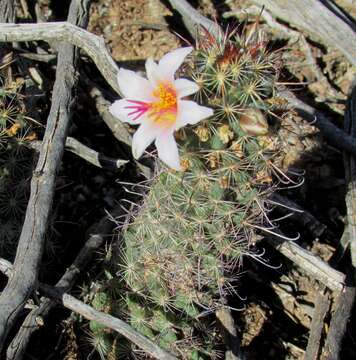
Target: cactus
[[186, 240], [15, 165]]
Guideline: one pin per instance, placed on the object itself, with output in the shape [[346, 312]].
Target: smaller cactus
[[15, 166]]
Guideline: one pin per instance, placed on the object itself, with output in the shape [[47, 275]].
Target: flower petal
[[189, 112], [185, 87], [134, 86], [152, 72], [170, 62], [143, 137], [123, 110], [168, 150]]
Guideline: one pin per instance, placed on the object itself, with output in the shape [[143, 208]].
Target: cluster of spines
[[185, 244], [15, 164]]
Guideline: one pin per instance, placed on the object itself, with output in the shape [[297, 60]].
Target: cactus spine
[[15, 165], [186, 241]]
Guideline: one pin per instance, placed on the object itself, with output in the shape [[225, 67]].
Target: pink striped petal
[[129, 111]]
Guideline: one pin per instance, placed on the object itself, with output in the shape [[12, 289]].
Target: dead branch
[[86, 153], [90, 313], [118, 128], [321, 308], [111, 322], [343, 308], [21, 340], [320, 20], [304, 218], [310, 264], [337, 137], [92, 44], [192, 18], [227, 327], [350, 175], [7, 11], [344, 302], [29, 252]]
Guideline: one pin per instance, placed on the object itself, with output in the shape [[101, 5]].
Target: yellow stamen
[[167, 97], [164, 109]]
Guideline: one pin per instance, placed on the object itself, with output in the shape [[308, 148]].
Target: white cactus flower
[[157, 105]]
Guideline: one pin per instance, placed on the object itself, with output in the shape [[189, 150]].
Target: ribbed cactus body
[[183, 247]]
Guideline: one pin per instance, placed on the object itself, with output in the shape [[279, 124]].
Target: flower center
[[164, 111], [167, 98]]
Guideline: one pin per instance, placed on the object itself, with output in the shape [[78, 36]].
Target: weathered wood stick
[[340, 318], [70, 302], [23, 281], [67, 32], [310, 264], [344, 302], [321, 308], [350, 175], [320, 20], [91, 156], [192, 18], [19, 343], [334, 135]]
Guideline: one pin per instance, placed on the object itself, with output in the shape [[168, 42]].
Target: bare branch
[[7, 11], [337, 137], [344, 302], [343, 308], [350, 174], [320, 20], [21, 340], [92, 44], [321, 308], [310, 264], [192, 18], [86, 153], [109, 321], [227, 326], [29, 252]]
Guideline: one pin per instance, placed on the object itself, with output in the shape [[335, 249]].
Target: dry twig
[[310, 264], [92, 44], [337, 137], [344, 302], [29, 252], [343, 308], [192, 18], [86, 153], [321, 308], [18, 345], [320, 20], [90, 313]]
